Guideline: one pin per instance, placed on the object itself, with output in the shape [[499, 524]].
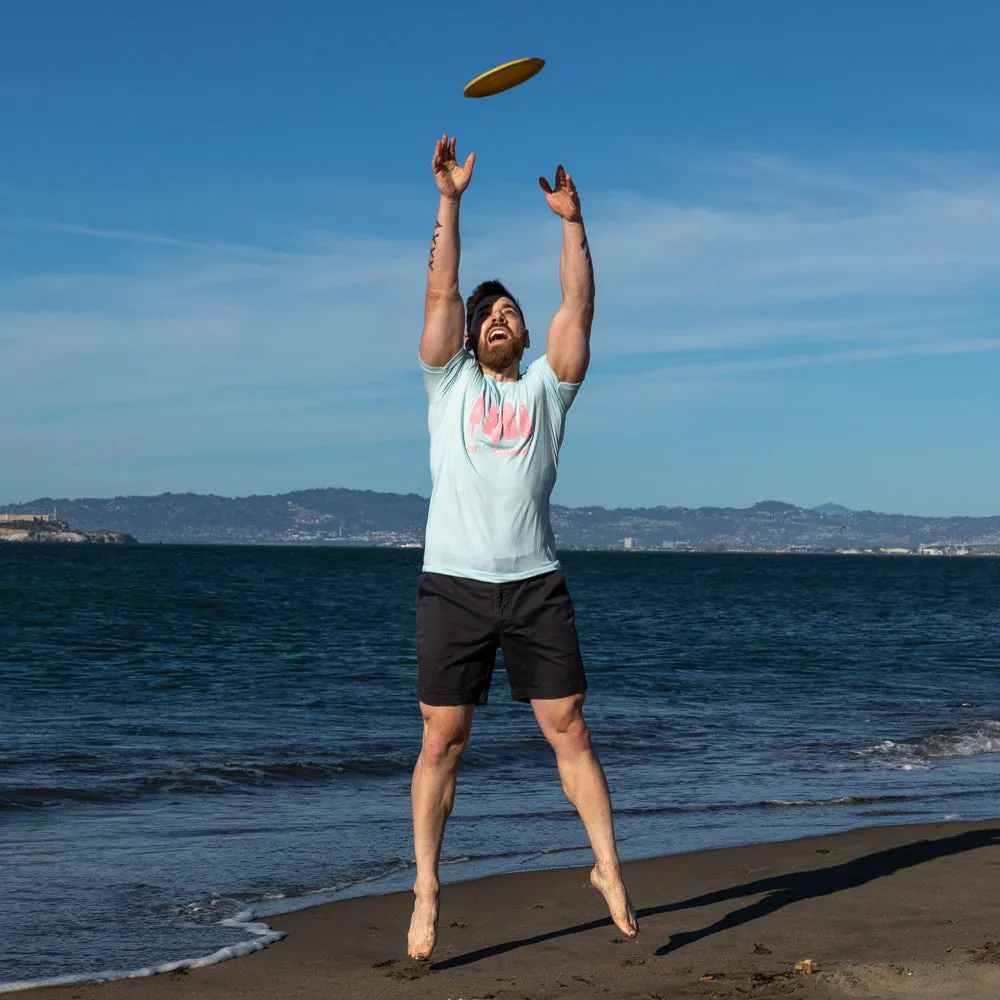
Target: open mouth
[[497, 334]]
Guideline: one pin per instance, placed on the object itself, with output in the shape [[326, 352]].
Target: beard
[[500, 355]]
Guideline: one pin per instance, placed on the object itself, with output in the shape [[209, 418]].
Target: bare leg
[[446, 732], [583, 782]]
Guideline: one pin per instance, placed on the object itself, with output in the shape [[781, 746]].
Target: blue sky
[[214, 221]]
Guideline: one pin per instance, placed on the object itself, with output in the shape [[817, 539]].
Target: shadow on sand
[[782, 890]]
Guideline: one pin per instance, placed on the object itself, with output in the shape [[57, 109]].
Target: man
[[491, 578]]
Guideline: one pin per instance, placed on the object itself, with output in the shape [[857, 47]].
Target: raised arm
[[444, 313], [568, 347]]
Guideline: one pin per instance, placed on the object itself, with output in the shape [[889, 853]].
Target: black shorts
[[462, 623]]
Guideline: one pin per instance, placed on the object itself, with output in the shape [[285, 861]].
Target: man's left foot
[[610, 885], [423, 924]]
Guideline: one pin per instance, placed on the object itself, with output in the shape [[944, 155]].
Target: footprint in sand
[[410, 971]]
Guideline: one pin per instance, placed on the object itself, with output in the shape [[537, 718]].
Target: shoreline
[[881, 911]]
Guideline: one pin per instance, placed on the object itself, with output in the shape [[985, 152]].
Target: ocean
[[195, 738]]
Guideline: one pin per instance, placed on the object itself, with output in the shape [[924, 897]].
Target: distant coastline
[[47, 528], [365, 518]]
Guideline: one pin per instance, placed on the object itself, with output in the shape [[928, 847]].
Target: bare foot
[[612, 888], [423, 925]]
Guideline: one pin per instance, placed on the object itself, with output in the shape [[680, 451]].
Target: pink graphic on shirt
[[498, 425], [476, 416], [491, 425], [524, 422], [509, 425]]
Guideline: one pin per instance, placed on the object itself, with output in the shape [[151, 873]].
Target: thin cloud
[[69, 229], [789, 263]]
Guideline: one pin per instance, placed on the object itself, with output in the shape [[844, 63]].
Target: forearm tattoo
[[585, 246], [434, 240]]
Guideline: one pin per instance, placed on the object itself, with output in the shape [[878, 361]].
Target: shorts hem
[[548, 694], [449, 700]]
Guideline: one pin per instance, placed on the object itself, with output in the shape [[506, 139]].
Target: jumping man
[[491, 578]]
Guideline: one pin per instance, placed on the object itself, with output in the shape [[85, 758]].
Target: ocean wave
[[724, 807], [27, 797], [199, 779], [972, 740], [245, 921], [215, 909]]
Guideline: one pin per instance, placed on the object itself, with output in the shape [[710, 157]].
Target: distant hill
[[323, 515], [832, 508], [363, 517]]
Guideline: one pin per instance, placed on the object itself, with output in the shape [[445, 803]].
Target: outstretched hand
[[564, 199], [451, 179]]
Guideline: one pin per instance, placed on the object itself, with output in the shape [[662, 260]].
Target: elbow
[[441, 293], [579, 296], [581, 308]]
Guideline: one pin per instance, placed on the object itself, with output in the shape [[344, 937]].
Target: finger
[[560, 176], [470, 162], [570, 184], [544, 185]]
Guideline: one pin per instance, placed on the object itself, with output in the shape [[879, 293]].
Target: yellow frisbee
[[502, 78]]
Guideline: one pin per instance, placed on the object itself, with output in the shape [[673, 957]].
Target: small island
[[51, 528]]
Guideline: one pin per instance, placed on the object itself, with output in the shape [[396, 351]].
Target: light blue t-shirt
[[494, 456]]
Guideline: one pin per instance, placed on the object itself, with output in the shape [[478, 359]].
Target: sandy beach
[[885, 912]]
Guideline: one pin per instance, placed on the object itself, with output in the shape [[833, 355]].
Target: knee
[[569, 733], [443, 745]]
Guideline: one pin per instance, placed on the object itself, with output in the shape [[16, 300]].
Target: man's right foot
[[423, 924], [610, 885]]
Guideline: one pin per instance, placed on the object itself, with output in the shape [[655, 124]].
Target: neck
[[509, 374]]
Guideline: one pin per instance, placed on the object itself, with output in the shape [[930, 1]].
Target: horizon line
[[249, 496]]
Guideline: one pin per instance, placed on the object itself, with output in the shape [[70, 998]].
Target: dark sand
[[887, 912]]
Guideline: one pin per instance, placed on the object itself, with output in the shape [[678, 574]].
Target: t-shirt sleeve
[[438, 381], [561, 394]]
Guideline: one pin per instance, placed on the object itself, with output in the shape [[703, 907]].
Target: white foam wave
[[974, 740], [843, 800], [245, 921]]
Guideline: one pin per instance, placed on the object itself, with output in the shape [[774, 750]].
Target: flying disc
[[502, 78]]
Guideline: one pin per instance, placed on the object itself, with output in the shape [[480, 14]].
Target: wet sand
[[885, 912]]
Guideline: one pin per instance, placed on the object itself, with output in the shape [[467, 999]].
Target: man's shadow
[[782, 890]]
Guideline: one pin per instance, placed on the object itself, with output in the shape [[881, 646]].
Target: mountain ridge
[[331, 515]]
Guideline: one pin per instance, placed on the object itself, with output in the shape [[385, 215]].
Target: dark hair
[[486, 290]]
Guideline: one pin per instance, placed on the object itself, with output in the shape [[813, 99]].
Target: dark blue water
[[188, 732]]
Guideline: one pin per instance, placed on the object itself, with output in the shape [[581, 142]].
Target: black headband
[[472, 313]]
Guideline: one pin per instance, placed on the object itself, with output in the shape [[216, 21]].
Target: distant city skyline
[[214, 233], [351, 517]]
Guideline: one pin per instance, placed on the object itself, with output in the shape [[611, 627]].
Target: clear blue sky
[[214, 221]]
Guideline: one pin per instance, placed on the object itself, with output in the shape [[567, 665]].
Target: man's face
[[502, 336]]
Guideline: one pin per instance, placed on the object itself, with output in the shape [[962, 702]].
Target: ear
[[527, 339]]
